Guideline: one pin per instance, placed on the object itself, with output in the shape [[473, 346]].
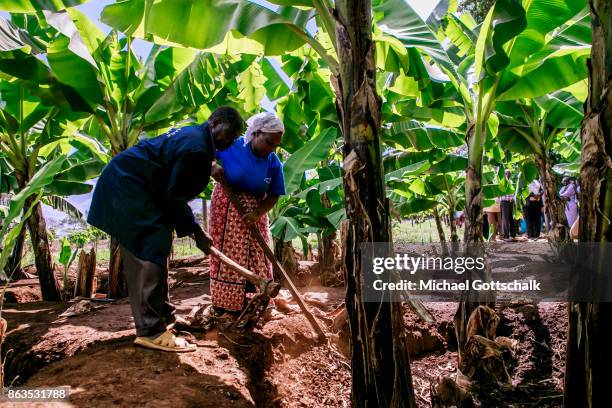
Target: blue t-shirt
[[247, 172]]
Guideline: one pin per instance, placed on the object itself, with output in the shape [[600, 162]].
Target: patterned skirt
[[233, 237]]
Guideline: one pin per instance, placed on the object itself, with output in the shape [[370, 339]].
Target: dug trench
[[278, 365]]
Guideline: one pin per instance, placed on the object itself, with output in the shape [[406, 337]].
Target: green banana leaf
[[542, 17], [61, 204], [203, 24], [398, 19], [410, 170], [287, 227], [43, 177], [411, 133], [307, 157], [416, 205], [33, 6], [67, 188], [450, 163], [559, 70], [564, 111], [505, 20]]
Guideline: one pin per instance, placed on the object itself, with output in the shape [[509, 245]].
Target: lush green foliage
[[500, 87]]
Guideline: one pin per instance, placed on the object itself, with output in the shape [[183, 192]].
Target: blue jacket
[[142, 194]]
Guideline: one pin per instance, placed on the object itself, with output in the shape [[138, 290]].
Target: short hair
[[229, 115]]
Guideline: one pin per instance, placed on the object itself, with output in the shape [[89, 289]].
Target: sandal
[[167, 341]]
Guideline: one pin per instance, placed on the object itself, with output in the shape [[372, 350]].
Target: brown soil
[[23, 291], [536, 366], [279, 365]]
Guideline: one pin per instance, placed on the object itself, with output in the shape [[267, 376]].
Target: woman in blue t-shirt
[[255, 173]]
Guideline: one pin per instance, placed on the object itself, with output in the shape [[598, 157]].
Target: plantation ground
[[280, 365]]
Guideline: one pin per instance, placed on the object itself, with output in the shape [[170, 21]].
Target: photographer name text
[[445, 285]]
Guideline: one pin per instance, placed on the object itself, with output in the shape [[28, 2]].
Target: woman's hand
[[251, 218], [216, 172], [266, 205]]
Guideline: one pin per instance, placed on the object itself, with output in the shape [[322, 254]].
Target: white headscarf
[[263, 122]]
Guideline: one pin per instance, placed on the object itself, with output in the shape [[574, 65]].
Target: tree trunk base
[[86, 274], [117, 286]]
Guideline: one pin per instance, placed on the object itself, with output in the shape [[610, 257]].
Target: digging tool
[[257, 304], [275, 264]]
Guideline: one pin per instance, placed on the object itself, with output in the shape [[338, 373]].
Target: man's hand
[[203, 241], [216, 172]]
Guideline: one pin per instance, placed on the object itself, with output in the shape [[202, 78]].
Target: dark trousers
[[507, 210], [148, 292], [533, 218]]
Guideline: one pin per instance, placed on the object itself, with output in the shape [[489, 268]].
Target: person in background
[[568, 194], [506, 204], [459, 219], [532, 209], [493, 215]]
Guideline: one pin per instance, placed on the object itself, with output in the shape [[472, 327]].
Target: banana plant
[[531, 127], [18, 212], [125, 98], [66, 258], [439, 185], [520, 51], [26, 141], [37, 121], [508, 56], [310, 139]]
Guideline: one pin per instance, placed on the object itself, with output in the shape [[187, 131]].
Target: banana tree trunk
[[283, 252], [84, 285], [473, 185], [327, 261], [473, 229], [40, 244], [42, 252], [451, 217], [380, 366], [117, 285], [278, 249], [13, 266], [589, 355], [439, 227], [556, 207]]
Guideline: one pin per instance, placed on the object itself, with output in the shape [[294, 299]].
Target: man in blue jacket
[[142, 196]]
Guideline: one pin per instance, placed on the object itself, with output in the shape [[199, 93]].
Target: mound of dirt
[[538, 361], [23, 291]]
